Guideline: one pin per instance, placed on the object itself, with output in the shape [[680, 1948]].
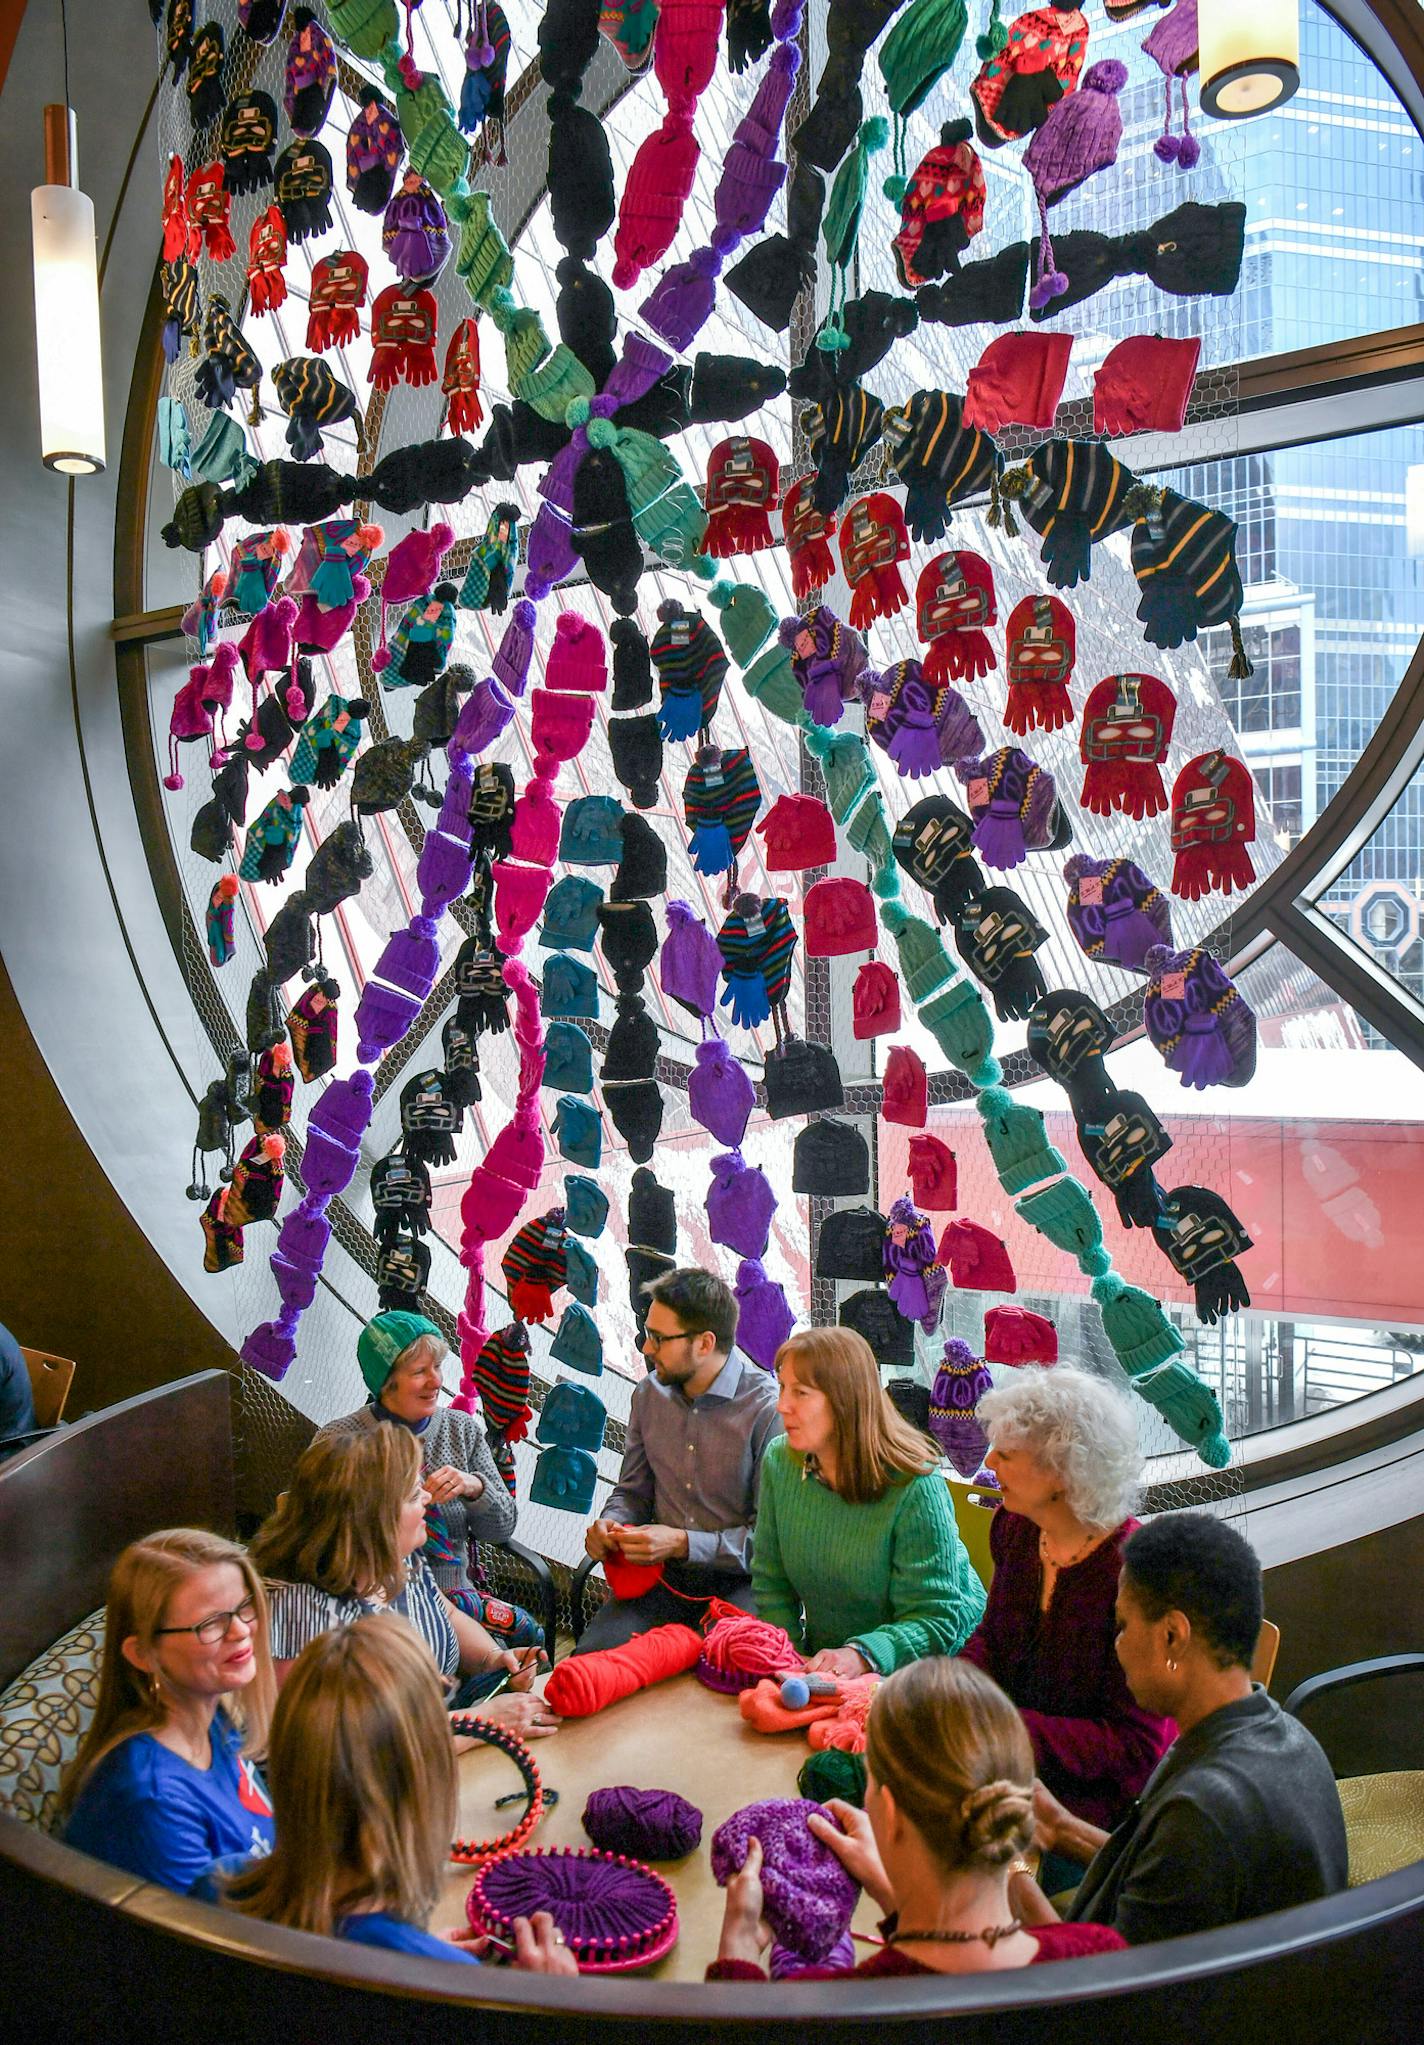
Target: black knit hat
[[494, 457], [988, 293], [726, 388], [630, 939], [642, 873], [602, 532], [911, 1401], [1194, 250], [290, 938], [426, 472], [568, 43], [841, 427], [875, 322], [632, 667], [851, 1244], [652, 1214], [931, 843], [632, 1042], [437, 707], [939, 459], [802, 1079], [532, 437], [664, 408], [636, 747], [643, 1267], [337, 868], [587, 320], [996, 935], [580, 176], [772, 274], [831, 126], [1067, 1037], [636, 1111], [1073, 493], [491, 811], [830, 1159], [873, 1314]]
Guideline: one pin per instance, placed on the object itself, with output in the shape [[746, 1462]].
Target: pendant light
[[71, 377], [1250, 56]]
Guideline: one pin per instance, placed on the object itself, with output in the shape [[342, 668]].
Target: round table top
[[678, 1735]]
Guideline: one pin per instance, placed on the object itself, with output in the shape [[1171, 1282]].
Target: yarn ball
[[784, 1965], [740, 1651], [649, 1824], [831, 1773], [807, 1895]]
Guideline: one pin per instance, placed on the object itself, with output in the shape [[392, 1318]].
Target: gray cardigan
[[459, 1440]]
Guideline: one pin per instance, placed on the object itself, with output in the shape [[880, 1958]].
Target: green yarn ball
[[832, 340], [875, 133], [602, 433], [1108, 1286], [832, 1773], [895, 189], [576, 414]]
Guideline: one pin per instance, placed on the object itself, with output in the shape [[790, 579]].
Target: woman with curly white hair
[[1063, 1446]]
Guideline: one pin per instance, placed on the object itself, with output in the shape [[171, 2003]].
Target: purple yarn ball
[[808, 1895], [648, 1824], [1188, 153]]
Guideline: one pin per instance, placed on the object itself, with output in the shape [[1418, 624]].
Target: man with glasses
[[686, 1495]]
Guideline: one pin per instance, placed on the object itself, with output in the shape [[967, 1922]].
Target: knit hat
[[954, 600], [1201, 1236], [592, 831], [932, 1173], [805, 530], [1041, 645], [632, 1051], [757, 942], [578, 1131], [1196, 1018], [630, 939], [905, 1093], [875, 1001], [740, 1204], [636, 746], [571, 914], [828, 660], [642, 870], [533, 1265], [720, 1094], [720, 799], [1144, 384], [636, 1111], [657, 187], [841, 428], [1121, 1138], [632, 667], [1173, 47], [384, 1340], [941, 207], [1115, 912], [799, 834], [873, 540], [1068, 1035], [690, 961], [801, 1079], [580, 176], [1015, 1336], [1027, 73], [1127, 729], [850, 1244], [764, 1319], [568, 988], [831, 1160], [931, 843], [691, 667], [1080, 136], [572, 1416], [939, 458], [585, 1205], [743, 485], [747, 617], [873, 1315], [1018, 379], [565, 1480], [996, 935], [578, 658], [1213, 821], [839, 918], [976, 1258], [960, 1383], [1013, 803], [921, 727], [1184, 559], [375, 149], [652, 1214]]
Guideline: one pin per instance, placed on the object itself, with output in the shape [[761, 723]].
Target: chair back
[[50, 1379], [1263, 1661]]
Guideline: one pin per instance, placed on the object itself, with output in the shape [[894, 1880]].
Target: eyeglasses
[[660, 1341], [219, 1624]]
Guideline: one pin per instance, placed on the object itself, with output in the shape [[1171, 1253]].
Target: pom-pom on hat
[[764, 1319], [720, 1094], [1013, 802], [905, 1094], [690, 961], [1013, 1335], [959, 1384], [1018, 380], [1173, 47]]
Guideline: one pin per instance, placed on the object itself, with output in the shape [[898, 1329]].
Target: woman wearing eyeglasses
[[163, 1784]]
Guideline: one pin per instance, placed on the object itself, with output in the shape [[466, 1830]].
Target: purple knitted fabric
[[720, 1094], [1206, 1032], [764, 1319], [515, 649], [808, 1895], [649, 1824], [960, 1383], [1011, 799], [917, 1281], [689, 964], [593, 1902], [1129, 916], [740, 1204], [785, 1966], [1172, 45], [1080, 135], [827, 659]]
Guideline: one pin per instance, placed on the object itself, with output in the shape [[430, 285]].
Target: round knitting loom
[[616, 1914], [473, 1852]]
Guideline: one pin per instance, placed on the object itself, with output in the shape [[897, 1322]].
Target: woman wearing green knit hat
[[401, 1356]]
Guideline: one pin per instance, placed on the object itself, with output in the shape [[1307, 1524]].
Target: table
[[677, 1735]]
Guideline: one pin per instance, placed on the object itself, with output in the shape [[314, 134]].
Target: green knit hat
[[383, 1342], [1142, 1337], [869, 833], [363, 26], [841, 225], [526, 345], [748, 619], [771, 681], [845, 762], [649, 469], [924, 963], [919, 50], [1017, 1141], [552, 387], [674, 527], [434, 145], [482, 257], [959, 1023], [1064, 1213], [1189, 1407]]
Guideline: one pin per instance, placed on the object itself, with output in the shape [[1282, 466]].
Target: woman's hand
[[525, 1665], [745, 1932], [853, 1843], [540, 1947], [528, 1716], [447, 1482], [843, 1662], [1048, 1816]]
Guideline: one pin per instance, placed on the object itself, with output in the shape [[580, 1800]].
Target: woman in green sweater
[[856, 1552]]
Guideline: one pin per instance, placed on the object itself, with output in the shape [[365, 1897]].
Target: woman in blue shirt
[[363, 1781], [163, 1784]]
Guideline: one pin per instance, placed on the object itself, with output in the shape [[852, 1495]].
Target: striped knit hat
[[502, 1378], [938, 458], [840, 428], [1073, 493], [720, 799], [691, 667], [533, 1265], [758, 943], [1013, 802], [1184, 558]]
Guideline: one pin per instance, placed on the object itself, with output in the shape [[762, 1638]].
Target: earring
[[1171, 1664], [154, 1691]]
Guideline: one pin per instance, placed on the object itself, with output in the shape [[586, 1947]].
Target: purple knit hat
[[1080, 136], [515, 649], [720, 1094], [1172, 46], [827, 659], [917, 1279], [1012, 801], [1197, 1020], [1115, 911], [764, 1320], [960, 1383], [483, 716], [690, 961], [808, 1896], [740, 1204]]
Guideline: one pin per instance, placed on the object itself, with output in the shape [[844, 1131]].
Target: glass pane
[[1376, 900]]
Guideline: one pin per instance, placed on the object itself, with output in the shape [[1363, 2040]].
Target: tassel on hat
[[1173, 47], [1079, 137]]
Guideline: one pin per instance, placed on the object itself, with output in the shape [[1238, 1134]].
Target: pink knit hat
[[534, 831], [520, 893], [560, 723], [578, 658], [321, 631], [490, 1206], [658, 186], [685, 48], [840, 918], [875, 1001], [517, 1152], [266, 645], [412, 567], [1018, 380], [1142, 387], [1014, 1335], [799, 833], [932, 1173], [905, 1095]]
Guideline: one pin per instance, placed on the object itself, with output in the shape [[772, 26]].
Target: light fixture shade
[[71, 376], [1249, 56]]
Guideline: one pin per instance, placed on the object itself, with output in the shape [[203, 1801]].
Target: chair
[[1384, 1812], [1263, 1661], [50, 1379], [579, 1614]]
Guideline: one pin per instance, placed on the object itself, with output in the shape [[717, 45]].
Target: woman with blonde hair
[[363, 1783], [856, 1551], [343, 1541], [1063, 1446], [163, 1783], [948, 1816]]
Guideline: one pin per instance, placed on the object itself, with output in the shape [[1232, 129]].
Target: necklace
[[1078, 1553], [991, 1935]]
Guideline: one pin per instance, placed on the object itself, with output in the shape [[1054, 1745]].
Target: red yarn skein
[[587, 1683], [747, 1646]]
